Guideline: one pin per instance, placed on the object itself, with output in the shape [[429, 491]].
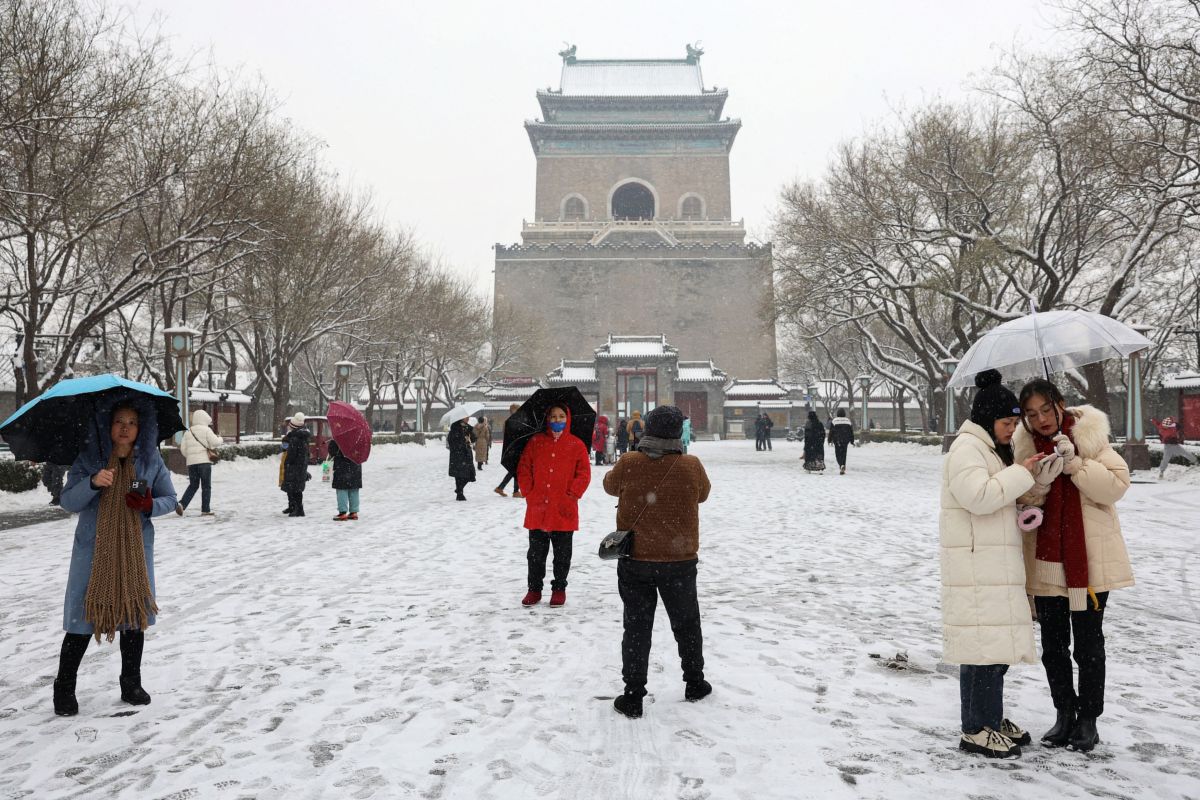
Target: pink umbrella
[[350, 431]]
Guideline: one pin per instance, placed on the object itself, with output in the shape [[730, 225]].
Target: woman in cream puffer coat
[[1102, 478]]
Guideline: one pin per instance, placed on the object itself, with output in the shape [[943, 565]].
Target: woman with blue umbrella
[[118, 481]]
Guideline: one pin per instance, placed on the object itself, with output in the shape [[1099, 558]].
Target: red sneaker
[[353, 515], [341, 518], [532, 598], [558, 597]]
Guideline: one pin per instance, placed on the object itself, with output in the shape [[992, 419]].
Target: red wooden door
[[1190, 405], [695, 406]]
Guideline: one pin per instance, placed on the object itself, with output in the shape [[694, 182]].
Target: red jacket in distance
[[553, 475], [1168, 432], [600, 435]]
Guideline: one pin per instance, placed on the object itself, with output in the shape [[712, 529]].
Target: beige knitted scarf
[[118, 594]]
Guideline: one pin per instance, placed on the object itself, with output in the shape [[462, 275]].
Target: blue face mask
[[558, 427]]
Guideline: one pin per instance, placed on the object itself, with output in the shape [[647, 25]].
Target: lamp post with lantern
[[344, 370], [180, 345], [951, 430], [864, 383], [1136, 452]]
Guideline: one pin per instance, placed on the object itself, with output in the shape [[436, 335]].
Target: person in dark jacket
[[659, 491], [759, 430], [347, 480], [841, 436], [462, 457], [295, 464], [622, 436], [768, 423], [508, 476], [52, 479], [814, 444], [636, 428]]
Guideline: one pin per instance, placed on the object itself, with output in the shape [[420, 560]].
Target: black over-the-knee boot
[[132, 692], [69, 658]]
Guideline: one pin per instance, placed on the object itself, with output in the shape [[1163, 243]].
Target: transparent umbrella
[[1042, 343], [461, 412]]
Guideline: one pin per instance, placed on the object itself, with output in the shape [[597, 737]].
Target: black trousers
[[981, 690], [1059, 626], [640, 583], [539, 548], [759, 443], [839, 452], [459, 485], [507, 477], [295, 501]]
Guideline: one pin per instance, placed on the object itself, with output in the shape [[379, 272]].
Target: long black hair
[[1047, 390]]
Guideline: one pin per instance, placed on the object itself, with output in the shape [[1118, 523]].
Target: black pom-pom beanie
[[993, 401]]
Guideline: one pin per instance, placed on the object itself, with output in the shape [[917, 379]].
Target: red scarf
[[1060, 539]]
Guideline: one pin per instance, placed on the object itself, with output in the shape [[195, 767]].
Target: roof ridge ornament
[[568, 55], [694, 53]]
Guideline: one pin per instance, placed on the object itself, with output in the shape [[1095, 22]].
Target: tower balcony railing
[[592, 225]]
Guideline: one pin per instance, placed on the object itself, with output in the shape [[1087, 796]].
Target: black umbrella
[[530, 418], [55, 425]]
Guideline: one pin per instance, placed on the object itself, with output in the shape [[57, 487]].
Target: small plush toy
[[1029, 518]]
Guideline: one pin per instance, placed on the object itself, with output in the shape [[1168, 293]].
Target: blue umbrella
[[56, 425]]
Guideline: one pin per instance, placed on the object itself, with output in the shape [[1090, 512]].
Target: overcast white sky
[[424, 102]]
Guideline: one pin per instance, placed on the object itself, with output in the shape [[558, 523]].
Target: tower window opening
[[633, 201]]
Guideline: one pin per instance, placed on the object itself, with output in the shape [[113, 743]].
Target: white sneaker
[[207, 514], [989, 743], [1010, 730]]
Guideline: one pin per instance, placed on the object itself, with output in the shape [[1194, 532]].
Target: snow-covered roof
[[569, 372], [700, 372], [761, 404], [1182, 380], [636, 347], [631, 78], [231, 396], [764, 388]]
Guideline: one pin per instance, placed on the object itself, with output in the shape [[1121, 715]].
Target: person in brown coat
[[659, 491]]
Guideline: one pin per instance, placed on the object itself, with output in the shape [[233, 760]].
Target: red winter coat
[[553, 475], [1168, 434], [600, 436]]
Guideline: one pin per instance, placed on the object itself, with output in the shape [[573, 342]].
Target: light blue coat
[[79, 497], [686, 436]]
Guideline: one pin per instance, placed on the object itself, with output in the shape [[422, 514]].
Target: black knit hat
[[993, 401], [665, 422]]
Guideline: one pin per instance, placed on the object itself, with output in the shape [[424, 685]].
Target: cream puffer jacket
[[985, 614], [1102, 480], [198, 439]]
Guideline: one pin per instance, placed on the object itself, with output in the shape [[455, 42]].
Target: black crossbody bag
[[619, 544]]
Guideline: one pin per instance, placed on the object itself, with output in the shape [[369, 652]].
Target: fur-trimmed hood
[[1091, 434]]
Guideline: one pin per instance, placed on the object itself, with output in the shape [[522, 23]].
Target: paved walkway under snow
[[390, 658]]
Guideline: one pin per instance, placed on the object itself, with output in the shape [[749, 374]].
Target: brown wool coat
[[669, 530]]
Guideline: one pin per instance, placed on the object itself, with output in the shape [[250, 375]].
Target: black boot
[[629, 704], [460, 496], [132, 692], [1064, 723], [70, 656], [1084, 736], [696, 690]]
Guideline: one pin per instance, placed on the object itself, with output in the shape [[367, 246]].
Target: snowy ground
[[302, 658]]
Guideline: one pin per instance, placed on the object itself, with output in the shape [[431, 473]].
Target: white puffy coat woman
[[987, 624], [197, 441]]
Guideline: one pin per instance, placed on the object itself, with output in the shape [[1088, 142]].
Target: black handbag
[[619, 544]]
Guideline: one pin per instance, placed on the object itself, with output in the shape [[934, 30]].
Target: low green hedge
[[896, 436], [19, 476]]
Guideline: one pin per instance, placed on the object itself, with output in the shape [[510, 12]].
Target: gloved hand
[[1066, 451], [1029, 518], [138, 502], [1047, 470]]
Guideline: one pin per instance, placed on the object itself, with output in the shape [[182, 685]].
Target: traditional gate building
[[633, 233]]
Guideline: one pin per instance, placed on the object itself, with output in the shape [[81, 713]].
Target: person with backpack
[[841, 436], [199, 447]]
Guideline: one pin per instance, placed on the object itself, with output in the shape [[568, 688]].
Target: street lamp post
[[418, 381], [1137, 452], [179, 345], [864, 383], [344, 370], [951, 423]]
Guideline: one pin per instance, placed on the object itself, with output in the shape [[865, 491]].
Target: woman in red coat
[[600, 440], [553, 474]]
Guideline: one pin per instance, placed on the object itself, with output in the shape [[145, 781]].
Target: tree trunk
[[1097, 386]]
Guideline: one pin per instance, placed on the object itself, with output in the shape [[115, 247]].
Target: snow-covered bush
[[19, 476]]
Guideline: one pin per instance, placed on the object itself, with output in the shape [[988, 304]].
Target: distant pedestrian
[[636, 428], [622, 436], [198, 445], [760, 432], [686, 437], [508, 476], [553, 474], [52, 479], [115, 486], [600, 439], [986, 622], [814, 443], [347, 482], [462, 457], [841, 436], [1172, 442], [483, 441], [768, 424], [295, 464], [659, 491]]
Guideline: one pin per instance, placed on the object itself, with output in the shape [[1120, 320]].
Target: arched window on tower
[[574, 209], [692, 207], [633, 201]]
